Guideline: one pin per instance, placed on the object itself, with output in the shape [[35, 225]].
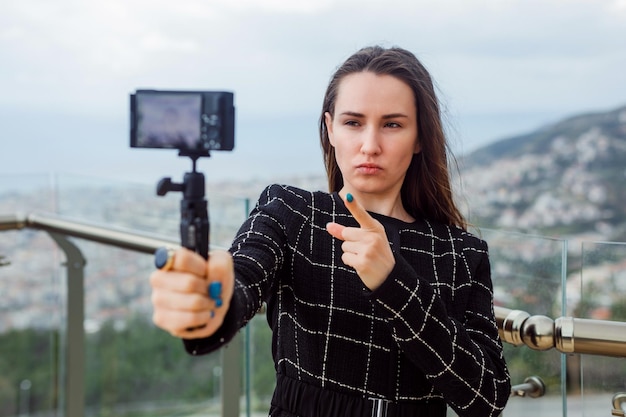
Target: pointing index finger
[[365, 220]]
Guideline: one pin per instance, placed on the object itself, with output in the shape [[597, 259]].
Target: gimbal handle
[[194, 216]]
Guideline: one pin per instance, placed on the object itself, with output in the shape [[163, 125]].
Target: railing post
[[75, 336]]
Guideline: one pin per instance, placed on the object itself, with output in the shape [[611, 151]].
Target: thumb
[[220, 269]]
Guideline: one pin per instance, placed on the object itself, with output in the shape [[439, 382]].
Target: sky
[[502, 68]]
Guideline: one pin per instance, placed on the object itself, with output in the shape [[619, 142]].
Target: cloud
[[488, 57], [279, 6], [250, 43]]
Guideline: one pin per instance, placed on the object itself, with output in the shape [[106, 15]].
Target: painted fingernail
[[349, 197], [215, 292], [212, 313]]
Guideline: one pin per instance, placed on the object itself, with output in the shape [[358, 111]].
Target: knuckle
[[155, 278], [198, 303], [183, 253], [345, 259], [187, 283]]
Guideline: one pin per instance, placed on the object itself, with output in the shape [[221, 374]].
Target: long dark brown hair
[[426, 191]]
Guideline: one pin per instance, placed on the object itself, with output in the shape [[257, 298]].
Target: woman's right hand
[[180, 297]]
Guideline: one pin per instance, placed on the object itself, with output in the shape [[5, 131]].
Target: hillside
[[565, 179]]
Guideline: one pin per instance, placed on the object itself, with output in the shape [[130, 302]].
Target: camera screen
[[168, 121]]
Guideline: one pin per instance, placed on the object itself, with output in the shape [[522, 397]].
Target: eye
[[351, 123], [392, 125]]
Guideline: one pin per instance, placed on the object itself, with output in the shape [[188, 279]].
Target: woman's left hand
[[365, 248]]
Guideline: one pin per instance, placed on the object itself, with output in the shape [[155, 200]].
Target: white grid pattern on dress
[[428, 332]]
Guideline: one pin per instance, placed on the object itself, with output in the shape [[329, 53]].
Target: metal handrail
[[619, 404], [533, 387], [565, 334], [137, 242]]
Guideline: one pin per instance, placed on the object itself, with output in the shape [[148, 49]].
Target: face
[[374, 133]]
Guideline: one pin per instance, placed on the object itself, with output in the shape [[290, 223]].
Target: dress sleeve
[[462, 358], [258, 254]]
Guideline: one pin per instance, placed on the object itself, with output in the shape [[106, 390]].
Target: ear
[[418, 147], [328, 119]]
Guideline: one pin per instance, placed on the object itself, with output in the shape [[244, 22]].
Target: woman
[[379, 300]]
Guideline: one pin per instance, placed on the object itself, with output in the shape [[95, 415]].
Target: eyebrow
[[361, 115]]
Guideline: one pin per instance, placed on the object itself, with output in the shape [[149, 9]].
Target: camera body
[[194, 122]]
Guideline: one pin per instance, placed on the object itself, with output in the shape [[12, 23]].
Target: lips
[[368, 168]]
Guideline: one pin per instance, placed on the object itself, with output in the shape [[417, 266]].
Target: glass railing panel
[[599, 292], [131, 367], [31, 323], [259, 367], [31, 305], [528, 275]]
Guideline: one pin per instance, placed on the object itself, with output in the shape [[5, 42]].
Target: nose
[[370, 141]]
